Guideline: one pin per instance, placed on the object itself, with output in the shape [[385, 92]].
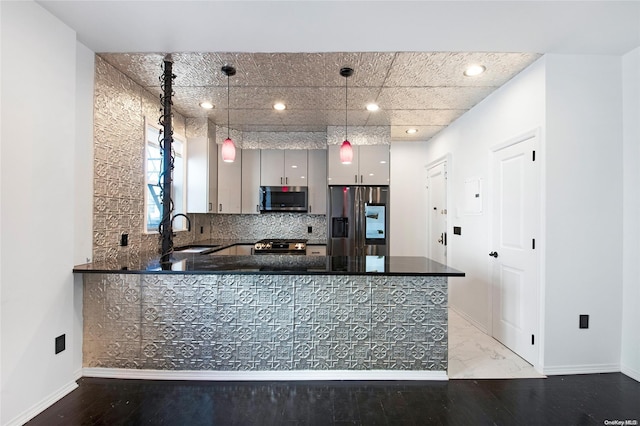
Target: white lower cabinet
[[316, 250], [229, 251], [244, 249], [236, 250]]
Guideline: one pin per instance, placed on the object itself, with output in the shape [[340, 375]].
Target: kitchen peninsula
[[274, 317]]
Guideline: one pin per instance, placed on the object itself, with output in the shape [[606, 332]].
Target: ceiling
[[411, 53], [421, 90]]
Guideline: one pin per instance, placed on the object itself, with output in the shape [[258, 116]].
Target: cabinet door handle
[[257, 208], [361, 179], [356, 177], [309, 208], [280, 180], [286, 181], [220, 206], [210, 206]]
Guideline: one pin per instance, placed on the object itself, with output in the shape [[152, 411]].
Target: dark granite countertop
[[196, 263]]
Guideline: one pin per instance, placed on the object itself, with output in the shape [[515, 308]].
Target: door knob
[[494, 254]]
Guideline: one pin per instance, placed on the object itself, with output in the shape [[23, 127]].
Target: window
[[153, 169]]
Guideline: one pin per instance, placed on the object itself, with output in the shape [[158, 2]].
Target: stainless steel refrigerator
[[358, 221]]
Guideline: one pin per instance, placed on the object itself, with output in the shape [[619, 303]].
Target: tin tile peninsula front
[[205, 317]]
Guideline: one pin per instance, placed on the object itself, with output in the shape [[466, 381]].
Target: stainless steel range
[[280, 246]]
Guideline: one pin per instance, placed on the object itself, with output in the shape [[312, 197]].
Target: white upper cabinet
[[229, 184], [370, 166], [202, 175], [317, 181], [251, 181], [374, 164], [283, 167], [338, 173]]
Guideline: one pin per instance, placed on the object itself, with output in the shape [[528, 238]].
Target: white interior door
[[514, 259], [437, 212]]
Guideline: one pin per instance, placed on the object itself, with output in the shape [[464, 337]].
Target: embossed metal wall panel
[[363, 135], [271, 225], [288, 140], [121, 107], [265, 322]]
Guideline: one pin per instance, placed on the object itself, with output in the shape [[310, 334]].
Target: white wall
[[83, 208], [583, 213], [630, 357], [514, 109], [408, 199], [38, 174], [576, 101]]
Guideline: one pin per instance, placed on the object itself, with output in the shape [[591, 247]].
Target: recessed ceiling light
[[372, 107], [206, 105], [474, 70], [412, 131], [279, 106]]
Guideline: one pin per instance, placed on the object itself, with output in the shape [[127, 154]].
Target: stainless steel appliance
[[358, 221], [280, 246], [283, 199]]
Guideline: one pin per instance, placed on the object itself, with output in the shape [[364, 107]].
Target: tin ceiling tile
[[143, 68], [424, 89], [379, 118], [419, 69], [291, 69], [440, 117], [432, 97], [305, 117], [355, 118], [369, 68], [399, 133]]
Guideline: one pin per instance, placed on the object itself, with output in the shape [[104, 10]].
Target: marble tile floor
[[476, 355]]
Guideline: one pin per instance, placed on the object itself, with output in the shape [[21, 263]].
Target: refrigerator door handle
[[359, 213]]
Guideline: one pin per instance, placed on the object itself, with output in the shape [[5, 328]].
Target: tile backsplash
[[259, 226]]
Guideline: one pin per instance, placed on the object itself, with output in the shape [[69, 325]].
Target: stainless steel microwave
[[283, 199]]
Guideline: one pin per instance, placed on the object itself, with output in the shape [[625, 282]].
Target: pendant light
[[228, 148], [346, 151]]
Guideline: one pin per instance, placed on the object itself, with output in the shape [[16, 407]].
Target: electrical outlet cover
[[60, 343]]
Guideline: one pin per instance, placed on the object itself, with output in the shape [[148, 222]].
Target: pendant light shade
[[346, 151], [228, 150]]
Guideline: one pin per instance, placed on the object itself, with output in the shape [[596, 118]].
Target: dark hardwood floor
[[557, 400]]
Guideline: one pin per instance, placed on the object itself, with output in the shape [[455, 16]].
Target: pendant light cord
[[228, 106], [346, 108]]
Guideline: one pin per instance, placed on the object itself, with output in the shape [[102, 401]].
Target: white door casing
[[514, 260], [437, 212]]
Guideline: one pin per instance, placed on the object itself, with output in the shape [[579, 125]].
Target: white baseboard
[[473, 322], [581, 369], [42, 405], [124, 373], [634, 374]]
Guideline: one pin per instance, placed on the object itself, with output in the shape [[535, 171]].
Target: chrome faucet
[[186, 217]]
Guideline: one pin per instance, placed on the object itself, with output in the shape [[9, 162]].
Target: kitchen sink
[[196, 249]]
